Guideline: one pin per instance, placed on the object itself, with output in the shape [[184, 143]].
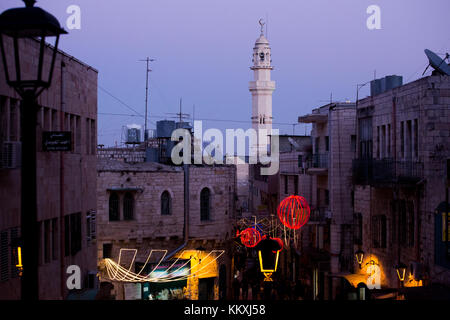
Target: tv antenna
[[148, 60], [179, 115], [439, 65]]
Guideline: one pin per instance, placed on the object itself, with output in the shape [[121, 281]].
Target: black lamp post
[[18, 28]]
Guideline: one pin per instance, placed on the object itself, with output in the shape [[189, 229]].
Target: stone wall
[[69, 104]]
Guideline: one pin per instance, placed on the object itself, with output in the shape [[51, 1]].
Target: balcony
[[319, 215], [386, 171], [318, 164]]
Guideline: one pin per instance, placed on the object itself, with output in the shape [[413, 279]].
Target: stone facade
[[65, 180], [327, 182], [148, 228], [397, 200]]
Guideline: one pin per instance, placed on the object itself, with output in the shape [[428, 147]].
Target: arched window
[[113, 207], [205, 204], [128, 206], [166, 203]]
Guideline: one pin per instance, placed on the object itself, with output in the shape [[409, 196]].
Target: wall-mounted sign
[[56, 141]]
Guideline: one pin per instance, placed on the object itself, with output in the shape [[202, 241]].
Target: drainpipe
[[186, 213], [61, 190]]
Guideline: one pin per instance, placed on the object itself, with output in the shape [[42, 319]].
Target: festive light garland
[[116, 272]]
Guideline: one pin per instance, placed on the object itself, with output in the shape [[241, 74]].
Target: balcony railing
[[318, 160], [372, 171], [319, 214]]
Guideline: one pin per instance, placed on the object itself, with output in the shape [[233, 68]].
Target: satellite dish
[[294, 143], [437, 63]]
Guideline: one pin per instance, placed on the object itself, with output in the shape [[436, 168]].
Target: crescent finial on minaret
[[262, 23]]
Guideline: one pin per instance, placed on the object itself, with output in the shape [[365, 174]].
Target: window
[[47, 243], [316, 145], [113, 207], [358, 228], [300, 161], [88, 135], [402, 223], [378, 142], [416, 138], [365, 138], [327, 143], [286, 184], [128, 206], [54, 238], [296, 185], [402, 139], [409, 141], [410, 208], [91, 226], [389, 140], [93, 137], [14, 127], [327, 197], [72, 237], [166, 203], [205, 204], [107, 250], [379, 231], [4, 274], [77, 134], [353, 143], [75, 233], [14, 237]]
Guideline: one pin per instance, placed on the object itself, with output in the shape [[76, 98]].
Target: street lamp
[[359, 257], [401, 271], [19, 28], [268, 253]]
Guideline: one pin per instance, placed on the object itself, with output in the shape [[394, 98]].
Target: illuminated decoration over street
[[272, 227], [250, 237], [175, 272], [293, 212], [268, 254]]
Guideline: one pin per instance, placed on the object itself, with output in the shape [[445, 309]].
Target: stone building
[[186, 210], [65, 180], [328, 170], [401, 179]]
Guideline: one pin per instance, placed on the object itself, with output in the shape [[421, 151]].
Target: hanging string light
[[116, 272]]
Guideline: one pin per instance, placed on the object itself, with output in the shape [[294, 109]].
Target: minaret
[[262, 87]]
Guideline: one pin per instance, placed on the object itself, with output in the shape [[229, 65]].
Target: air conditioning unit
[[10, 157], [416, 270]]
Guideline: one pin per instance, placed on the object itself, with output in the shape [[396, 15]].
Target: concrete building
[[66, 181], [401, 180], [328, 172], [188, 211]]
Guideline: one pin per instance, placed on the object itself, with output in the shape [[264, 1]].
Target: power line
[[123, 103]]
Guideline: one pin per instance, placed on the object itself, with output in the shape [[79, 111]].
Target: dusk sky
[[203, 53]]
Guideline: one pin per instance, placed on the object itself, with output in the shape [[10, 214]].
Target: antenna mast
[[148, 60]]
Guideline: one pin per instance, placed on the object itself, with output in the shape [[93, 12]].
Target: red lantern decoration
[[250, 237], [293, 212]]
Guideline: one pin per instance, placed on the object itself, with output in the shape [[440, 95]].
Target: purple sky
[[203, 50]]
